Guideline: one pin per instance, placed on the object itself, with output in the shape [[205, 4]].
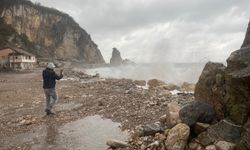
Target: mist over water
[[176, 73]]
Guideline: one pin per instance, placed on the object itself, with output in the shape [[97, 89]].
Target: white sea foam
[[168, 72]]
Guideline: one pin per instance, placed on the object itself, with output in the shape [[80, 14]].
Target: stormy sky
[[161, 30]]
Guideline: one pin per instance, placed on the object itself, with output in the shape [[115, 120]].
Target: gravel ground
[[121, 100]]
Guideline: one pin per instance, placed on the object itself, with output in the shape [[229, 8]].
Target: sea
[[175, 73]]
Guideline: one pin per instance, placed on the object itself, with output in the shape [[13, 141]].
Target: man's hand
[[61, 71]]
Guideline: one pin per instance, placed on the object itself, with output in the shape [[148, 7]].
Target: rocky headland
[[117, 60], [46, 32]]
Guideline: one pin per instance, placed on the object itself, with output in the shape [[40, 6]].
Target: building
[[16, 58]]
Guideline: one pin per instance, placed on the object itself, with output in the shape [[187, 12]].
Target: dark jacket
[[49, 78]]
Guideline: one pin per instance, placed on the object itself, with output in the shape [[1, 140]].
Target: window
[[16, 57], [29, 57]]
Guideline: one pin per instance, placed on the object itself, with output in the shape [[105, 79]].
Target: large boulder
[[244, 143], [221, 131], [238, 85], [177, 137], [210, 87], [196, 111], [227, 88]]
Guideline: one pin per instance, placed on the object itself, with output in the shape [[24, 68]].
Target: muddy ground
[[121, 100]]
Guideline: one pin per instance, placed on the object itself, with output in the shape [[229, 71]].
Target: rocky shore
[[129, 102], [219, 117], [157, 115]]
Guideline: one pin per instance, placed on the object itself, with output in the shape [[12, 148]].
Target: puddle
[[67, 106], [90, 133]]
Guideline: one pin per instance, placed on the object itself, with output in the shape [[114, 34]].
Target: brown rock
[[221, 131], [153, 145], [194, 146], [200, 127], [238, 85], [170, 87], [196, 111], [244, 143], [68, 97], [227, 88], [177, 137], [188, 87], [172, 115], [143, 147], [151, 129], [166, 132], [140, 82], [223, 145], [116, 144], [160, 137], [155, 83], [26, 122], [138, 131], [210, 147], [163, 119], [210, 87]]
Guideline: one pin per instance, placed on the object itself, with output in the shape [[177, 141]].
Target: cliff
[[54, 35]]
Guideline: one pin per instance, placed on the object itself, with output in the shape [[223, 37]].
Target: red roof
[[19, 51]]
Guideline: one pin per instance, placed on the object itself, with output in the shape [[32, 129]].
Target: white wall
[[21, 58]]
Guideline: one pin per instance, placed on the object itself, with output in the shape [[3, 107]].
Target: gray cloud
[[162, 30]]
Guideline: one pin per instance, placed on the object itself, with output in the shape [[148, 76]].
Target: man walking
[[49, 82]]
